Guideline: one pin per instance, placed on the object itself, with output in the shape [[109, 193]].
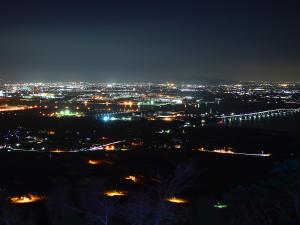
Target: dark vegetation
[[257, 190]]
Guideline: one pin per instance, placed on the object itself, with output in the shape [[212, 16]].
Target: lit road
[[236, 153], [94, 148]]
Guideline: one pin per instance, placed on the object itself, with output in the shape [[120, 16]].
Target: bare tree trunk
[[6, 221], [295, 197], [159, 213]]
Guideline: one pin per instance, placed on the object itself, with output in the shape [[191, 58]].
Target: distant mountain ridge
[[202, 80]]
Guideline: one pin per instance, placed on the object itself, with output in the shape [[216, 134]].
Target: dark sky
[[94, 40]]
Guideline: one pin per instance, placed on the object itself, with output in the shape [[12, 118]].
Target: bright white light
[[105, 118]]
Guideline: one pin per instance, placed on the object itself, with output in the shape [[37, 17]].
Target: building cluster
[[187, 106]]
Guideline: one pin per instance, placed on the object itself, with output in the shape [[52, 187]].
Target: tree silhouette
[[274, 201]]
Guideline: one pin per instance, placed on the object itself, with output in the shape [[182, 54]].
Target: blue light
[[105, 118]]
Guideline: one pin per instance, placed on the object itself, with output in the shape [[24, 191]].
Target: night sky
[[149, 40]]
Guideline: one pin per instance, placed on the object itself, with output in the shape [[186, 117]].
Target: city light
[[220, 206], [177, 200], [29, 198], [132, 178], [149, 112], [94, 162], [57, 151], [115, 193], [7, 108], [110, 148], [105, 118], [228, 150]]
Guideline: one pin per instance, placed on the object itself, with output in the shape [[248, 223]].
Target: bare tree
[[60, 208], [87, 202], [145, 207], [170, 187], [84, 203], [108, 208], [288, 183], [251, 205], [139, 208]]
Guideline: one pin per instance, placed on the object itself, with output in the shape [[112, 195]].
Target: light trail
[[7, 108], [101, 147], [236, 153], [94, 148]]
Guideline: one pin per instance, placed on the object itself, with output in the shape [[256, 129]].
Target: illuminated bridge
[[261, 114]]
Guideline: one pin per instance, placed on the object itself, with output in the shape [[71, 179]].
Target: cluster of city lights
[[29, 198], [132, 178], [177, 200], [115, 193], [7, 108]]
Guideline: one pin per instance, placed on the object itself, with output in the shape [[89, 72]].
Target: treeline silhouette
[[272, 201]]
